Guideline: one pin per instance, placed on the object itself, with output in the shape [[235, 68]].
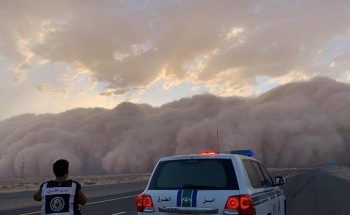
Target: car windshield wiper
[[191, 186]]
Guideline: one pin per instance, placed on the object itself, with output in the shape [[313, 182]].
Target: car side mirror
[[279, 180]]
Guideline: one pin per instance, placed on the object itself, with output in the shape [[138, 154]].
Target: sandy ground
[[16, 185], [340, 172]]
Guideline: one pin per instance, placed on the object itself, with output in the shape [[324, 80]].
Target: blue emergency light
[[246, 152]]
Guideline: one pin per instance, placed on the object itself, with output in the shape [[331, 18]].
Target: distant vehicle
[[211, 183], [331, 165]]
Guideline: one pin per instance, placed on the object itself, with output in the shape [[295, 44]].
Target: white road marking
[[92, 203], [37, 212], [109, 200], [295, 173], [120, 213]]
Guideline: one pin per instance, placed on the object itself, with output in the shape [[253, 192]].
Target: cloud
[[44, 88], [307, 120], [130, 45]]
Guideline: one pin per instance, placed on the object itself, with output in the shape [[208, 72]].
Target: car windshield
[[199, 174]]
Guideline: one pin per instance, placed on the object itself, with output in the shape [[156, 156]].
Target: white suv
[[210, 183]]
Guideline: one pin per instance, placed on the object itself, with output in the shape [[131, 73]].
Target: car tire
[[285, 208]]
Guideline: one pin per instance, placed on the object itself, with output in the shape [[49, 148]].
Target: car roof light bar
[[207, 153], [247, 152]]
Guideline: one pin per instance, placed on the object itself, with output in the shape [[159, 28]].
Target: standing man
[[60, 196]]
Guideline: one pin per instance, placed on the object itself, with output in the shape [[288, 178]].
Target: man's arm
[[37, 195], [81, 197]]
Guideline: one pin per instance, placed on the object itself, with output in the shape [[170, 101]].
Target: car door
[[275, 202], [260, 192]]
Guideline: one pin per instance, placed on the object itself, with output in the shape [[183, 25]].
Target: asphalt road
[[102, 199], [308, 191], [317, 191]]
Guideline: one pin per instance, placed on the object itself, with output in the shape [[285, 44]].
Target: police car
[[211, 183]]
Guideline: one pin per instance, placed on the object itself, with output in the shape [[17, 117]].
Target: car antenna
[[217, 130]]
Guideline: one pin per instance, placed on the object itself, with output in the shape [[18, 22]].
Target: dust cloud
[[299, 124]]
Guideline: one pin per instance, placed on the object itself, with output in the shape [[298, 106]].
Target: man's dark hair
[[60, 167]]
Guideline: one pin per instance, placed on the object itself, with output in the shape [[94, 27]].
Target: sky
[[60, 55]]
